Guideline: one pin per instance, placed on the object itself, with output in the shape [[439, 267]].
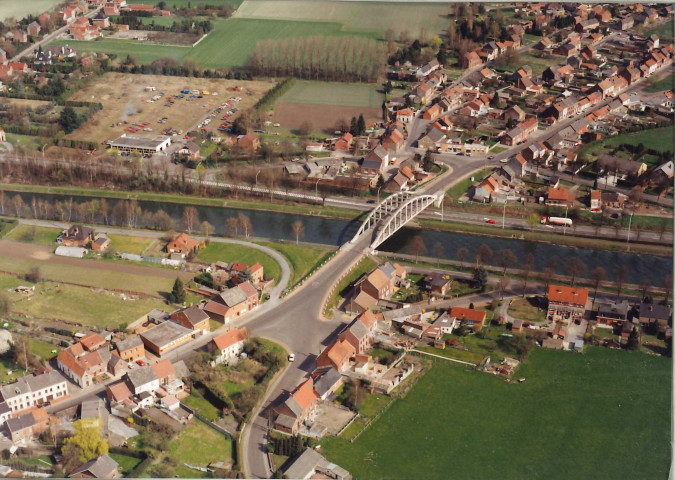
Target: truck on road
[[560, 221]]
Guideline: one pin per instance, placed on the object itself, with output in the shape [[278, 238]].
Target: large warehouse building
[[141, 143], [165, 337]]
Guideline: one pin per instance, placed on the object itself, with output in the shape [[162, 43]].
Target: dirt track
[[43, 253], [322, 117]]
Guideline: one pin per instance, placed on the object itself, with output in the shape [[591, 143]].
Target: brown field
[[323, 117], [124, 99]]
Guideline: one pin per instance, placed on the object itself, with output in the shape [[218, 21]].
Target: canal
[[334, 232]]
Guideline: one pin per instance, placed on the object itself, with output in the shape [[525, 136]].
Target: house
[[326, 381], [91, 342], [566, 50], [30, 391], [100, 467], [567, 302], [404, 116], [587, 25], [170, 375], [426, 69], [20, 36], [336, 355], [471, 60], [519, 133], [432, 112], [76, 236], [228, 345], [394, 141], [613, 199], [438, 283], [100, 243], [248, 142], [190, 151], [559, 197], [297, 408], [344, 143], [34, 29], [613, 314], [514, 113], [165, 337], [596, 201], [182, 244], [311, 464], [131, 348], [142, 379], [432, 140], [82, 367], [446, 323], [382, 281], [118, 392], [232, 303], [360, 331], [25, 427], [654, 316], [472, 318], [193, 318], [621, 166], [101, 20]]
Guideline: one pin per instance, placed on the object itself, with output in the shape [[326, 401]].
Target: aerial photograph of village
[[336, 239]]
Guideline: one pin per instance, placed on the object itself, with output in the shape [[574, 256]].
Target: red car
[[490, 221], [141, 363]]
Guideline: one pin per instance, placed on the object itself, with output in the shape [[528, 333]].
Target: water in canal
[[328, 231]]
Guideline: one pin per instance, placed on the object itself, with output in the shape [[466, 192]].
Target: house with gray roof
[[310, 463], [142, 379], [32, 390], [100, 467], [329, 381]]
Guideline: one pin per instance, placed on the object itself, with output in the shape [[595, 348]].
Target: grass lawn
[[25, 142], [43, 349], [83, 305], [20, 10], [6, 366], [334, 93], [527, 309], [233, 389], [230, 252], [462, 186], [373, 403], [665, 32], [454, 353], [29, 233], [142, 52], [587, 406], [199, 445], [128, 244], [538, 64], [126, 463], [667, 83], [301, 258], [202, 406], [660, 139], [343, 288]]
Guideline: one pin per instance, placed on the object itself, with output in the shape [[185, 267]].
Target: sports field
[[324, 103], [18, 10], [354, 16], [576, 415], [124, 99]]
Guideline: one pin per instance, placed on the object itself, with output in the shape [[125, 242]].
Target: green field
[[661, 139], [334, 93], [228, 252], [665, 32], [42, 349], [18, 10], [142, 52], [301, 258], [538, 64], [527, 309], [29, 233], [202, 406], [126, 462], [465, 424], [128, 244], [667, 83], [83, 305], [199, 445], [355, 16]]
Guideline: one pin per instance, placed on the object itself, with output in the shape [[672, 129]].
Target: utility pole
[[565, 226], [629, 224], [504, 215]]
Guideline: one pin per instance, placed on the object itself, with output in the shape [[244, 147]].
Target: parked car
[[291, 357], [141, 363], [490, 221]]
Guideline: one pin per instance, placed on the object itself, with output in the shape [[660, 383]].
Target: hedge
[[273, 95]]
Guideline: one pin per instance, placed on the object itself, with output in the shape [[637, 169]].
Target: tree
[[621, 274], [645, 285], [417, 247], [506, 258], [480, 278], [574, 268], [34, 275], [668, 286], [528, 264], [5, 304], [483, 254], [232, 226], [305, 128], [245, 224], [298, 229], [190, 218], [85, 444], [438, 251], [435, 43], [353, 129], [361, 125], [634, 339], [532, 220], [598, 275], [68, 119], [502, 285], [206, 229], [18, 204], [462, 254], [177, 294], [428, 162]]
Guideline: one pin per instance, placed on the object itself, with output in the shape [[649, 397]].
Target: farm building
[[75, 252], [141, 143], [165, 336]]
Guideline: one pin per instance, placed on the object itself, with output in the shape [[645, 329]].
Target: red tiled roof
[[228, 339], [478, 316], [561, 294]]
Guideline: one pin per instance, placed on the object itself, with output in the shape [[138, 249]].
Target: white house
[[31, 391], [142, 380], [228, 345]]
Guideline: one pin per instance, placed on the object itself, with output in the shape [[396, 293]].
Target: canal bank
[[278, 226]]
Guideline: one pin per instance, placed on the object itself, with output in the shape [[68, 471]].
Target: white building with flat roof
[[141, 143]]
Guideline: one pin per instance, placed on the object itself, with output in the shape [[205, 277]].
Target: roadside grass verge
[[462, 186], [301, 258], [572, 388], [344, 286]]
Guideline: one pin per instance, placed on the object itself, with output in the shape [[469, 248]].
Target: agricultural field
[[665, 32], [323, 103], [88, 306], [142, 52], [199, 445], [354, 16], [580, 406], [18, 10], [229, 252], [661, 139], [124, 99], [29, 233], [666, 83]]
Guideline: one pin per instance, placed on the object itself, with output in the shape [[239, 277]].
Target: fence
[[372, 420]]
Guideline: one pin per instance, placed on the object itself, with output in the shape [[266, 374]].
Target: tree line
[[346, 58], [135, 22]]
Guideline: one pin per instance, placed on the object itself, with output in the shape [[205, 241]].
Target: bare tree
[[18, 204], [2, 202], [462, 254], [548, 274], [104, 210], [506, 258], [298, 229], [645, 285], [668, 286], [483, 254], [526, 269], [502, 285], [438, 252], [245, 224], [190, 218], [206, 229], [232, 226], [417, 246], [574, 268], [621, 274], [598, 275]]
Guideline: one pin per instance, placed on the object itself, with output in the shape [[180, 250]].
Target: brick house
[[336, 355], [299, 406], [382, 281], [567, 302], [182, 244], [193, 318], [77, 236], [559, 197], [344, 143], [359, 332], [473, 318]]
